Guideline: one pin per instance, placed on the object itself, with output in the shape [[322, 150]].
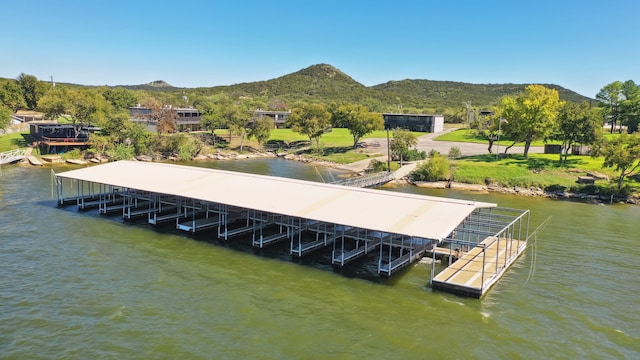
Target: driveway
[[427, 143]]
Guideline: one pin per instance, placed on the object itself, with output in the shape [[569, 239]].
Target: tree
[[436, 168], [260, 129], [32, 90], [118, 129], [11, 96], [357, 119], [212, 112], [403, 140], [277, 104], [629, 109], [531, 115], [486, 126], [163, 116], [5, 117], [237, 117], [312, 120], [120, 98], [166, 118], [621, 153], [577, 124], [87, 106], [609, 97], [55, 102]]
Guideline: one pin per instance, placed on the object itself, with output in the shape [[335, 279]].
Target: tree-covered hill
[[326, 84], [323, 83], [156, 85], [452, 94]]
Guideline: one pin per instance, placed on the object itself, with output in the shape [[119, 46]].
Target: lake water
[[79, 285]]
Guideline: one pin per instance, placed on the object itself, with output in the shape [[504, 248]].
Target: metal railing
[[367, 180], [10, 156]]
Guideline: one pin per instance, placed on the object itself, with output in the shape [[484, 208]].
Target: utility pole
[[468, 106], [388, 153]]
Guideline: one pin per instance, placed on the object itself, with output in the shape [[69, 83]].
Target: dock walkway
[[477, 270], [11, 156]]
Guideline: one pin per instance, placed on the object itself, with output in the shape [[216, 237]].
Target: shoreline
[[521, 191], [359, 170]]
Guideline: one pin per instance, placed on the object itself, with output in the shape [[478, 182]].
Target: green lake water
[[78, 285]]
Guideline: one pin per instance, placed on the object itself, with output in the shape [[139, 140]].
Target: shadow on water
[[363, 268]]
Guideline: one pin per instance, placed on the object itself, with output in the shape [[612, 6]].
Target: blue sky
[[578, 44]]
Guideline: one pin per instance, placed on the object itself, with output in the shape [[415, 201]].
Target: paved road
[[427, 143]]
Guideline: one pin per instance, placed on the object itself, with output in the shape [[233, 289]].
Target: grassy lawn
[[539, 170], [466, 135], [13, 141], [341, 155], [337, 145], [334, 138]]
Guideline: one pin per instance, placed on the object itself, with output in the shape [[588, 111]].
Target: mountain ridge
[[327, 83]]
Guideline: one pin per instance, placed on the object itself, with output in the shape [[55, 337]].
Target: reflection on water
[[78, 285]]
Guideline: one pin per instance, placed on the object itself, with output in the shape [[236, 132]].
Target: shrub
[[454, 152], [437, 168], [72, 154], [122, 152], [413, 155], [377, 166], [185, 147]]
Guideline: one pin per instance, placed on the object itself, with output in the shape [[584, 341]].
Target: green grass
[[538, 170], [334, 138], [340, 155], [337, 145], [14, 141], [466, 135]]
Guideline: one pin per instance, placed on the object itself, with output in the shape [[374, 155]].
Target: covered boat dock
[[400, 228]]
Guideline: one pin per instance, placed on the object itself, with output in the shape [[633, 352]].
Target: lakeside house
[[279, 117], [29, 115], [188, 119], [54, 138]]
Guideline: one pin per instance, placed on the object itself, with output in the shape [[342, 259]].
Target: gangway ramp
[[11, 156]]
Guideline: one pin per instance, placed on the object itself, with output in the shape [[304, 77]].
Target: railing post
[[484, 259], [497, 253]]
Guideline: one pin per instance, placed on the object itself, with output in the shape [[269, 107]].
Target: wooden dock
[[477, 270], [33, 160]]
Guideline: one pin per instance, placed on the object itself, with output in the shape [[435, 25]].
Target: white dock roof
[[407, 214]]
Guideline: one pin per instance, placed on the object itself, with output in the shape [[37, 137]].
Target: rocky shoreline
[[475, 188], [528, 192]]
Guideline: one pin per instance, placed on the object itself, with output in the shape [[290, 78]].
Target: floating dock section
[[483, 246], [397, 228]]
